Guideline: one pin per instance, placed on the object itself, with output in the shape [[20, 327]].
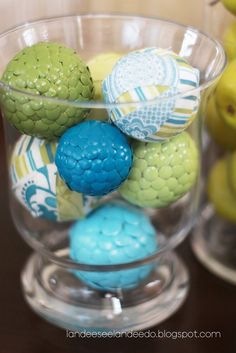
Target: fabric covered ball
[[49, 70], [37, 185], [100, 66], [152, 74], [161, 173], [113, 234], [94, 158]]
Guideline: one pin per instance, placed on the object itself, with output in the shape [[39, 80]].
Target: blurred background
[[196, 13], [187, 11]]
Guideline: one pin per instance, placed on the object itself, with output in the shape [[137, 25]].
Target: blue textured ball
[[94, 158], [113, 234]]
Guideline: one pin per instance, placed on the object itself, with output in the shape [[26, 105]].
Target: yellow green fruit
[[225, 95], [100, 67], [222, 134], [232, 170], [230, 5], [230, 41], [219, 192]]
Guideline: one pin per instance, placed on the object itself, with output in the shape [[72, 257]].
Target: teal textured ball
[[113, 234], [46, 70], [94, 158]]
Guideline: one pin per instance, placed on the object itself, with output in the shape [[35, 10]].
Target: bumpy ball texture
[[50, 70], [161, 173], [113, 234], [150, 74], [94, 158], [37, 185]]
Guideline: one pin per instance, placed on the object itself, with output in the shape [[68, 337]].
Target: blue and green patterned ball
[[37, 186], [152, 74], [113, 234]]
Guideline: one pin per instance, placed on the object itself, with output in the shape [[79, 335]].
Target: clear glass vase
[[140, 291], [214, 238]]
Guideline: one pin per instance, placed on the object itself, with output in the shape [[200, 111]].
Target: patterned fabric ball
[[113, 234], [161, 173], [94, 158], [150, 74], [37, 185], [50, 70]]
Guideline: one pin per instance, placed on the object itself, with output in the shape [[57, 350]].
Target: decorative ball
[[100, 66], [152, 74], [48, 70], [113, 234], [37, 185], [94, 158], [162, 172]]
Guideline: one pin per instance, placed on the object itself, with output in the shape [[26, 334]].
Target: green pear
[[220, 193], [225, 95], [221, 133], [230, 5], [232, 171], [230, 41]]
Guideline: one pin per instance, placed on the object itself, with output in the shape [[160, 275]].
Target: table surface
[[210, 306]]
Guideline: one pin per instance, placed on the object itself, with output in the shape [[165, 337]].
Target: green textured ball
[[50, 70], [162, 172]]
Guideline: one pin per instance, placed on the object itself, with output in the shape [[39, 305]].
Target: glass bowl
[[54, 285]]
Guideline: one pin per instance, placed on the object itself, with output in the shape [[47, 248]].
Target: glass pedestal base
[[214, 244], [60, 298]]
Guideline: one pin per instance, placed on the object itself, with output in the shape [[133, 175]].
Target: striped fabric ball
[[146, 75], [37, 186]]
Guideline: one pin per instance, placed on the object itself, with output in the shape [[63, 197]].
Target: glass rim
[[92, 104]]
